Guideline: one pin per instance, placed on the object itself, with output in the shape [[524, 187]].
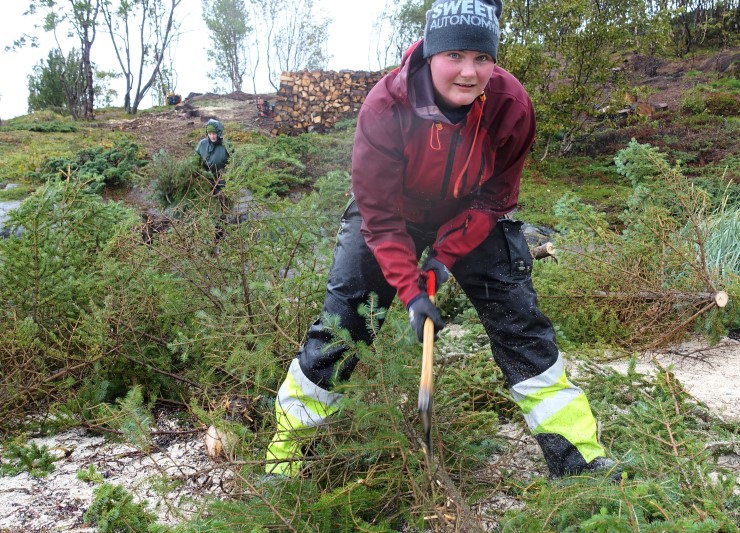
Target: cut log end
[[217, 443], [543, 250], [721, 299]]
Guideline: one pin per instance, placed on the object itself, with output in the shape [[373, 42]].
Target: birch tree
[[76, 19], [228, 23], [142, 32], [296, 35]]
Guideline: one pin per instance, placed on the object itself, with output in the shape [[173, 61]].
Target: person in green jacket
[[214, 153]]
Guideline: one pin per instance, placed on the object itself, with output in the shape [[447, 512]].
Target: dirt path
[[178, 130]]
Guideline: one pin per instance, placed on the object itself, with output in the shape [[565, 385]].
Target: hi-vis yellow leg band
[[552, 404], [300, 406]]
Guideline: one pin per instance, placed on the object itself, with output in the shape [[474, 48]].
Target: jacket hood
[[216, 124], [399, 87], [413, 84]]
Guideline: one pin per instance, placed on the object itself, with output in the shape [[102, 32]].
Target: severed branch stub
[[543, 251], [721, 299]]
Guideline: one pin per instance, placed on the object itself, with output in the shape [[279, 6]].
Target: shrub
[[113, 510], [723, 104], [176, 179], [43, 127], [96, 167], [15, 193], [52, 272], [274, 167], [692, 102], [265, 170], [52, 278]]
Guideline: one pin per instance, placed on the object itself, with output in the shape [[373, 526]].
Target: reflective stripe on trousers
[[496, 277], [552, 404], [300, 405]]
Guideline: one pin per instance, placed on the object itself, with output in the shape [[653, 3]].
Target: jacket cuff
[[408, 294], [411, 302], [447, 260]]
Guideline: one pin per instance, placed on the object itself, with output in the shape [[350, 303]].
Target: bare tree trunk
[[155, 37], [84, 21], [124, 61], [158, 53], [89, 81]]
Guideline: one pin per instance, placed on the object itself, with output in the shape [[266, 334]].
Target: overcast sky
[[349, 45]]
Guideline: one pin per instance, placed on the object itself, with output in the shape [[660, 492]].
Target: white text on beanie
[[462, 25]]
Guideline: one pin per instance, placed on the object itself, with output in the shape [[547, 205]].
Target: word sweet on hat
[[463, 25]]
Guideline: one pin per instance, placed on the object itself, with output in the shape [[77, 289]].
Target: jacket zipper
[[480, 171], [450, 163], [463, 227]]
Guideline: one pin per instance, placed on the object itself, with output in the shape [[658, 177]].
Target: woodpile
[[316, 100]]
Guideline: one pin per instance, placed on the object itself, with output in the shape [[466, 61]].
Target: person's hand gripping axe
[[427, 321]]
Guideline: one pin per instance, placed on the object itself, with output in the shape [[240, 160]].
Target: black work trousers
[[496, 277]]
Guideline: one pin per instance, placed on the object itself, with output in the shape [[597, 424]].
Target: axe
[[427, 362]]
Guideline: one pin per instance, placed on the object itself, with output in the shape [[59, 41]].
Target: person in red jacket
[[436, 166]]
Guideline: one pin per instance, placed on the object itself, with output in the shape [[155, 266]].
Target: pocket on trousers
[[520, 260]]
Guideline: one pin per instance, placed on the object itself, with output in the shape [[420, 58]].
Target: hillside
[[661, 88], [687, 389], [172, 130]]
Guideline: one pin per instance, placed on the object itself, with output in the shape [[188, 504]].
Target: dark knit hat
[[463, 25], [211, 129]]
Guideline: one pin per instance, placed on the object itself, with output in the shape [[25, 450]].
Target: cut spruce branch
[[720, 298], [686, 322]]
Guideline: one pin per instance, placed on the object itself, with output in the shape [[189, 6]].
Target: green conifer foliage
[[51, 279], [651, 280]]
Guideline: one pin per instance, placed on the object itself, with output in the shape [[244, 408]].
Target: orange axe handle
[[427, 362]]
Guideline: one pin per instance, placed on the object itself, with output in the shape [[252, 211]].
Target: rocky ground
[[58, 501]]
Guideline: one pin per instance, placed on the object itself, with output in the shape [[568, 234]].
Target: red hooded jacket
[[411, 164]]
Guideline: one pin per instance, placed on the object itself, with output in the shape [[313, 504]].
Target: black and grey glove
[[420, 309], [441, 273]]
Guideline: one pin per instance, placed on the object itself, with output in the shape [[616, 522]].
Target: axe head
[[425, 414]]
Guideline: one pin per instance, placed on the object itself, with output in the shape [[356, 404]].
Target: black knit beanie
[[463, 25]]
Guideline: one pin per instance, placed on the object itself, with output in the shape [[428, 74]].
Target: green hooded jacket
[[214, 155]]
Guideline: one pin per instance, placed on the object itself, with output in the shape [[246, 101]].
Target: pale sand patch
[[709, 373]]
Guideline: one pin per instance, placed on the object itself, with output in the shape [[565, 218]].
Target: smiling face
[[460, 76]]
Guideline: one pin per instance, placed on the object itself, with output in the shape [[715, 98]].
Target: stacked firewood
[[316, 100]]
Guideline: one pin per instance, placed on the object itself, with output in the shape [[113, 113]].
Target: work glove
[[441, 274], [420, 309]]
